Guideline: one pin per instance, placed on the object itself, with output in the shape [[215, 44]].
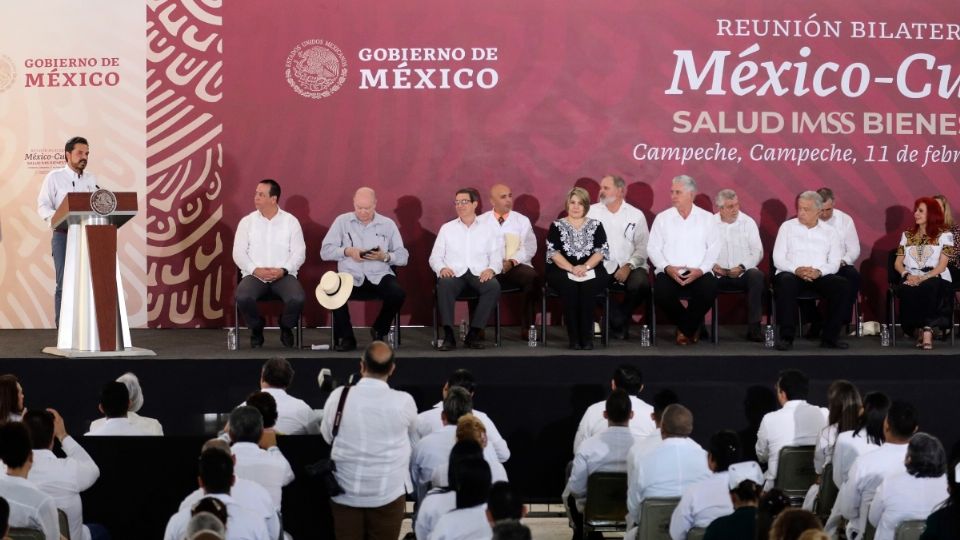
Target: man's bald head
[[501, 198], [365, 204], [677, 421], [218, 444], [377, 361]]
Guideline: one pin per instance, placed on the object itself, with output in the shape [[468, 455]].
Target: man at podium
[[269, 250], [56, 185]]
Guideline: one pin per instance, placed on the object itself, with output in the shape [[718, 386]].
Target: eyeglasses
[[462, 202]]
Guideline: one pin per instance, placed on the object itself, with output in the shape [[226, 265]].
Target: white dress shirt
[[432, 456], [57, 184], [372, 450], [700, 504], [849, 447], [294, 416], [148, 426], [463, 524], [627, 235], [518, 225], [64, 479], [113, 427], [30, 508], [249, 495], [437, 503], [429, 421], [843, 223], [739, 242], [823, 451], [242, 523], [693, 242], [798, 423], [462, 248], [643, 446], [798, 245], [269, 468], [665, 471], [604, 452], [269, 243], [901, 497], [866, 474], [593, 421]]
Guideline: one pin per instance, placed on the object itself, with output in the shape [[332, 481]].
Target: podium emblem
[[103, 202]]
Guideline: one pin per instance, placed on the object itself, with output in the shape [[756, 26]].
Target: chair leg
[[892, 317], [236, 321], [396, 331], [300, 332], [496, 329], [715, 321], [653, 318], [543, 317], [605, 337], [436, 316]]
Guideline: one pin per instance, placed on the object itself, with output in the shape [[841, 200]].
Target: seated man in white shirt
[[294, 416], [429, 420], [661, 400], [62, 479], [433, 451], [740, 253], [248, 494], [684, 245], [628, 378], [870, 469], [850, 242], [807, 256], [709, 498], [268, 248], [149, 426], [668, 469], [797, 423], [115, 404], [216, 480], [627, 234], [468, 253], [604, 452], [265, 466], [30, 508]]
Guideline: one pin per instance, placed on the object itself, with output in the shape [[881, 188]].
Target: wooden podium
[[93, 314]]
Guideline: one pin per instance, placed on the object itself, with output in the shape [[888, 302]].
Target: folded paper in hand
[[586, 277]]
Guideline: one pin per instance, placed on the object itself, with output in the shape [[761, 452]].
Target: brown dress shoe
[[682, 339]]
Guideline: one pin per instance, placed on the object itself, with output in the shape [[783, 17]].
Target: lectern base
[[74, 353]]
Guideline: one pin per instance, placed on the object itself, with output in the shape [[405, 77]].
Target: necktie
[[500, 220]]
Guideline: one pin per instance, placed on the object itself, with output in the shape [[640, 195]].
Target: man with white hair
[[366, 245], [627, 234], [684, 245], [740, 253], [148, 426], [807, 256]]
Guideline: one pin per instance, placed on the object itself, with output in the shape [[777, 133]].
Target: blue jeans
[[58, 246]]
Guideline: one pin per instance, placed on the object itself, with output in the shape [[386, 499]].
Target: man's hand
[[693, 274], [507, 265], [719, 271], [734, 272], [263, 274], [622, 273], [59, 429], [674, 273], [376, 254], [446, 272], [486, 275], [353, 253]]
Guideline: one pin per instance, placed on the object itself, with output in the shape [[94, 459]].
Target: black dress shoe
[[345, 345], [256, 339], [833, 344], [448, 343], [783, 344], [474, 339], [286, 337]]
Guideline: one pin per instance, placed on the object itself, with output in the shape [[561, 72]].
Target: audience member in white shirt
[[866, 437], [661, 400], [843, 405], [807, 256], [268, 248], [797, 423], [257, 456], [30, 508], [62, 479], [870, 469], [604, 452], [847, 230], [740, 253], [708, 499], [216, 480], [371, 449], [744, 482], [684, 246], [469, 427], [627, 235], [433, 451], [440, 500], [429, 420], [148, 426], [628, 378], [914, 493], [468, 254], [469, 520], [668, 469], [115, 404], [294, 416]]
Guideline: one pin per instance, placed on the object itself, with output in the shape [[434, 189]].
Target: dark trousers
[[700, 294], [927, 304], [637, 287], [287, 288], [579, 302], [752, 282], [58, 248], [849, 273], [448, 289], [388, 290], [379, 523], [832, 288]]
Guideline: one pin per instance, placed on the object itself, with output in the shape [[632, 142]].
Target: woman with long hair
[[11, 399], [844, 404]]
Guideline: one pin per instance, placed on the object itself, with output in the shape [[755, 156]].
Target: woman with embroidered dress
[[926, 293], [576, 247]]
